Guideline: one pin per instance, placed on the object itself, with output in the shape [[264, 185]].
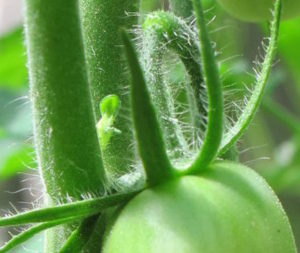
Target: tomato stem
[[65, 130], [66, 140], [101, 23]]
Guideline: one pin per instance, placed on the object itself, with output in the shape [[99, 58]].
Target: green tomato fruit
[[227, 209], [259, 10]]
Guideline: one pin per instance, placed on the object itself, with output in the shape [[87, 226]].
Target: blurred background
[[271, 145], [19, 181]]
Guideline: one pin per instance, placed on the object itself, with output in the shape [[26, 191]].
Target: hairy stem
[[162, 31], [79, 209], [101, 23], [64, 126], [65, 130], [250, 110]]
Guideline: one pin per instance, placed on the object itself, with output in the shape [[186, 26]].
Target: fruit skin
[[259, 10], [228, 209]]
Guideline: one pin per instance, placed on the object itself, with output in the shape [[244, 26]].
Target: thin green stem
[[249, 111], [282, 115], [29, 233], [148, 134], [80, 209], [101, 23], [214, 128]]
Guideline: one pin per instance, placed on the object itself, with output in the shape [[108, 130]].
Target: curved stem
[[249, 111], [162, 31], [101, 23], [214, 128], [26, 235]]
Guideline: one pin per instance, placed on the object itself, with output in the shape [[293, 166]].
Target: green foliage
[[16, 160], [289, 48], [13, 74], [16, 151], [258, 10]]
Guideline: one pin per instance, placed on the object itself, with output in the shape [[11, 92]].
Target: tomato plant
[[258, 10], [180, 194]]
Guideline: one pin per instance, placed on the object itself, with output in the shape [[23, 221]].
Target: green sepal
[[150, 141], [80, 209], [251, 108], [214, 129]]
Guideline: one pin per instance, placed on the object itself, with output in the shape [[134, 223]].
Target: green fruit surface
[[227, 209], [259, 10]]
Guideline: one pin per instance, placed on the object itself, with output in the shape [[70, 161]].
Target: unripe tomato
[[228, 209], [259, 10]]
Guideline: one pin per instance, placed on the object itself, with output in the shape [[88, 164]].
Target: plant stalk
[[101, 23], [66, 141]]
